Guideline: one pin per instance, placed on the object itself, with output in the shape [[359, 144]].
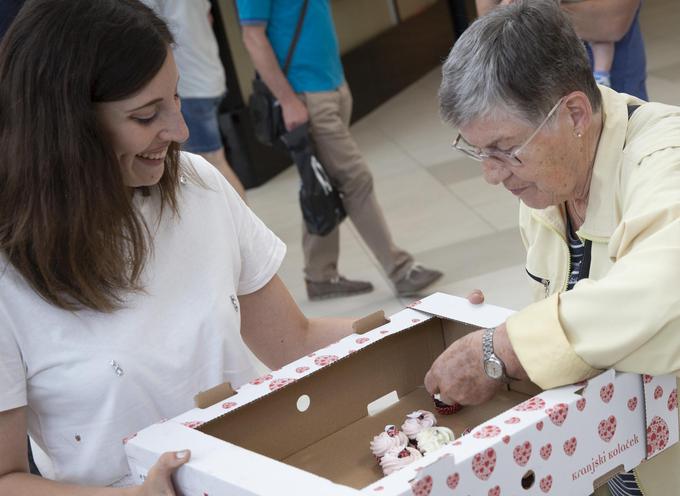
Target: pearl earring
[[578, 135]]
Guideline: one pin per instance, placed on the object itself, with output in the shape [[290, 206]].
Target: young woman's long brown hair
[[67, 221]]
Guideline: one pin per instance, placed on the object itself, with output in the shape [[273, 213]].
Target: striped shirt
[[623, 484], [576, 253]]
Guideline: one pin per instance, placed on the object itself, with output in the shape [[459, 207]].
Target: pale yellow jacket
[[626, 315]]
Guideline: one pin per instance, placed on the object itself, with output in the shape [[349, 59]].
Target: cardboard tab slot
[[370, 322], [386, 401], [214, 395]]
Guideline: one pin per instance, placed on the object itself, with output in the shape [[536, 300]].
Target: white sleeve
[[262, 251], [12, 368]]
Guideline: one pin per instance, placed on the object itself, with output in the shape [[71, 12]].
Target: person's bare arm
[[277, 331], [602, 20], [15, 479], [485, 6], [267, 65]]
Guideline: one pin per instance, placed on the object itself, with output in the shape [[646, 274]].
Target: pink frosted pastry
[[391, 438], [416, 422], [396, 459]]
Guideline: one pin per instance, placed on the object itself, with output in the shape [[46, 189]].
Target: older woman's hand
[[476, 297], [458, 373]]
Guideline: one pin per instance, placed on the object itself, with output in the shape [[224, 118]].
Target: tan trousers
[[329, 116]]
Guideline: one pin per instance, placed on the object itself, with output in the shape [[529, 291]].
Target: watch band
[[490, 356]]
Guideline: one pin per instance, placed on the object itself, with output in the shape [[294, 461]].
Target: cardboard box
[[305, 429]]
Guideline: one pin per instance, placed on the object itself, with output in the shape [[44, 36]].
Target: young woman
[[131, 275]]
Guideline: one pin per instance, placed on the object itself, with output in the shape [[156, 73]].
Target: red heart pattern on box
[[569, 446], [632, 403], [487, 431], [581, 404], [530, 405], [607, 428], [279, 383], [522, 453], [607, 392], [546, 451], [658, 392], [423, 487], [494, 491], [657, 435], [260, 380], [512, 420], [453, 480], [324, 360], [558, 413], [672, 400], [484, 463], [546, 483]]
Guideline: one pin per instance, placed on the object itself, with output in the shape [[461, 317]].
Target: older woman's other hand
[[458, 373], [476, 297]]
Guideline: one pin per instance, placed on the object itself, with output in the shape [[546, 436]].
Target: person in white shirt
[[202, 82], [132, 275]]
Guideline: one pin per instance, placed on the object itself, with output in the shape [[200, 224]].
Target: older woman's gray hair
[[519, 59]]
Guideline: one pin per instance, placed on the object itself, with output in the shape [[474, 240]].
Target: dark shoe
[[416, 279], [336, 288]]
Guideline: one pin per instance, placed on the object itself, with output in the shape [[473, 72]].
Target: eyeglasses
[[509, 158]]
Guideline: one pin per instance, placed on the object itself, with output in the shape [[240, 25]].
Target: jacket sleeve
[[629, 319]]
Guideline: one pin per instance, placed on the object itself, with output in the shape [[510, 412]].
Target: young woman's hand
[[159, 480]]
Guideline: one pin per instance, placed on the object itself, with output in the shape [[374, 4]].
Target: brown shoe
[[336, 288], [416, 279]]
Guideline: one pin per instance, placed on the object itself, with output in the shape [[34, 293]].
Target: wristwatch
[[493, 366]]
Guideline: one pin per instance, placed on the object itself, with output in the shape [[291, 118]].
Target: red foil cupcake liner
[[444, 408]]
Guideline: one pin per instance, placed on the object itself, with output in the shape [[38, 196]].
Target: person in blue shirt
[[314, 90]]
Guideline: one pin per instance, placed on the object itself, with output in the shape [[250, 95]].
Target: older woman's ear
[[580, 112]]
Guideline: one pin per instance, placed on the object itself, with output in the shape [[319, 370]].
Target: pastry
[[391, 438], [396, 459], [416, 422], [433, 438]]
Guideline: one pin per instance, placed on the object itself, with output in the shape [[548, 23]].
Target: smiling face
[[140, 128], [555, 163]]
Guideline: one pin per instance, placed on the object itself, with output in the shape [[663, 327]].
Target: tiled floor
[[435, 200]]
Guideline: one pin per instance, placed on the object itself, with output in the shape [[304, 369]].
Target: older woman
[[598, 177], [131, 275]]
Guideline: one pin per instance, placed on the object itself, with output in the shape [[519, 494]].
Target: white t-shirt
[[90, 378], [196, 51]]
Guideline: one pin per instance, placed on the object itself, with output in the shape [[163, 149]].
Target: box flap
[[215, 464], [370, 322], [460, 309], [221, 392], [661, 412]]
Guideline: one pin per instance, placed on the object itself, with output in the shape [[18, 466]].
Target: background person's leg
[[329, 120], [205, 139]]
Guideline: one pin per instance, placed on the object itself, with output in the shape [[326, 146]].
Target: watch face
[[493, 369]]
